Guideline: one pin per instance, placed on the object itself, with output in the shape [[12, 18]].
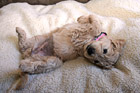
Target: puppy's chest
[[63, 46]]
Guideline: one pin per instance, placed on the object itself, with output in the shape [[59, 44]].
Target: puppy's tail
[[20, 83]]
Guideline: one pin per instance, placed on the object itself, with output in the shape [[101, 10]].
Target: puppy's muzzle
[[90, 50]]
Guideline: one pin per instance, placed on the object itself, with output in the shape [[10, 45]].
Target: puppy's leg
[[23, 44], [40, 64], [35, 66], [27, 45]]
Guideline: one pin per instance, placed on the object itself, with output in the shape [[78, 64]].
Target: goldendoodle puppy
[[44, 53]]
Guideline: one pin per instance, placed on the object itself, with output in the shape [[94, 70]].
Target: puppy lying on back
[[44, 53]]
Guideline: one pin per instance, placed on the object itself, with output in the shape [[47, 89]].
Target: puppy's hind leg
[[23, 44], [40, 64]]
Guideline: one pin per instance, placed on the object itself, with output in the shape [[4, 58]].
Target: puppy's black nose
[[90, 50]]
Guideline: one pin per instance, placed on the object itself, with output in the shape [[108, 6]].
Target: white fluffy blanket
[[120, 19]]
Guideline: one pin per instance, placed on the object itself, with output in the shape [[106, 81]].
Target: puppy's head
[[103, 51]]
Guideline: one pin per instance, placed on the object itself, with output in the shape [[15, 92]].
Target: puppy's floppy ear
[[83, 19], [118, 44], [92, 19]]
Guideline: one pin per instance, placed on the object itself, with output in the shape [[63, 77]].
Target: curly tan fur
[[45, 53]]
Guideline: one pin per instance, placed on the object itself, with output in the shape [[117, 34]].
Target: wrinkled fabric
[[119, 18]]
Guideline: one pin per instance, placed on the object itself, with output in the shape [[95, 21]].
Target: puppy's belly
[[46, 52], [45, 48]]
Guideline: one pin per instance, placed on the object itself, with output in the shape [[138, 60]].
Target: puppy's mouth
[[97, 63]]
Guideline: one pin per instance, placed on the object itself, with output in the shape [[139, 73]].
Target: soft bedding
[[119, 18]]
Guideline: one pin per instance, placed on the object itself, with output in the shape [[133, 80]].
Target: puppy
[[44, 53]]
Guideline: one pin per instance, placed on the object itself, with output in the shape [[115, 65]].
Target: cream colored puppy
[[45, 53]]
